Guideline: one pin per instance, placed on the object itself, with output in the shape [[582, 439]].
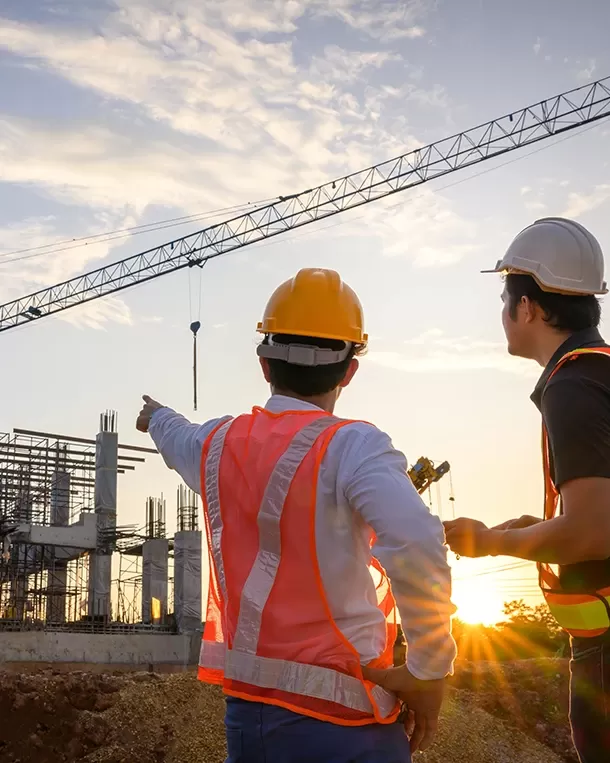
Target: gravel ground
[[142, 717]]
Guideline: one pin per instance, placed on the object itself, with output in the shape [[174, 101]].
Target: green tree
[[533, 625]]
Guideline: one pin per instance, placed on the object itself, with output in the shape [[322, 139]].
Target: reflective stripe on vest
[[240, 663], [296, 677], [212, 471], [580, 615]]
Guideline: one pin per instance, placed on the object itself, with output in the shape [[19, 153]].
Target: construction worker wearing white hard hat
[[554, 272], [309, 518]]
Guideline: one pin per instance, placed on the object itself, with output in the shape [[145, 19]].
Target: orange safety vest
[[269, 634], [584, 615]]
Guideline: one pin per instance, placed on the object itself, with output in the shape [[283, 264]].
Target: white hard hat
[[560, 254]]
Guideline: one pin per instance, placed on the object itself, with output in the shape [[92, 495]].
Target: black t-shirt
[[575, 406]]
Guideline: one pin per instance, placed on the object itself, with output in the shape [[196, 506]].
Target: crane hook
[[195, 326]]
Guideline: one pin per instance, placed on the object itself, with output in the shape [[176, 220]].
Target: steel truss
[[527, 126]]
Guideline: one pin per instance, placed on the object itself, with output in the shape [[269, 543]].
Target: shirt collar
[[283, 403], [585, 338]]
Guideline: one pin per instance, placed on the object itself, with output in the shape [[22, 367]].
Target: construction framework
[[527, 126], [65, 563]]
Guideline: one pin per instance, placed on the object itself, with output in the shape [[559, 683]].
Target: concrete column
[[187, 580], [58, 568], [21, 558], [155, 554], [105, 494]]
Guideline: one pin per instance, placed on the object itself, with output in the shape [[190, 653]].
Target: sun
[[477, 603]]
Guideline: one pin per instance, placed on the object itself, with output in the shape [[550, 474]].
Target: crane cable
[[195, 325]]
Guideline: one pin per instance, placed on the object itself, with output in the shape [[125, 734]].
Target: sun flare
[[477, 603]]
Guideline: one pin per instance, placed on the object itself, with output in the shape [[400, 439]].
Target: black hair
[[308, 381], [564, 312]]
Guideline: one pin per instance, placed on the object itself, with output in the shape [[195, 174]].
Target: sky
[[118, 113]]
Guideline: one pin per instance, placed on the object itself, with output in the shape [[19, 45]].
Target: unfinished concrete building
[[75, 585]]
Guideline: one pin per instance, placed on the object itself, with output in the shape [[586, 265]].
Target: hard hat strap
[[302, 354]]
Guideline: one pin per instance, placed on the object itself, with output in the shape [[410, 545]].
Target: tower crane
[[424, 473], [524, 127]]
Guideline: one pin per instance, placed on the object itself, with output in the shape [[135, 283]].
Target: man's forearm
[[553, 542]]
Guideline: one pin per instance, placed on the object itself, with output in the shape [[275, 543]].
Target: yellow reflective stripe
[[589, 616]]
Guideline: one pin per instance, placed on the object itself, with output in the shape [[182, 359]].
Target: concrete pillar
[[57, 569], [60, 499], [187, 580], [155, 554], [105, 497], [21, 558], [18, 589]]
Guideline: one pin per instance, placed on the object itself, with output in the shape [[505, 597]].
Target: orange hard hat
[[316, 303]]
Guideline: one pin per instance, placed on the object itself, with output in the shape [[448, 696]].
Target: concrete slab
[[133, 649]]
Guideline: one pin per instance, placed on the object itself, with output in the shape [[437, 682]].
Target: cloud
[[434, 351], [185, 64], [95, 315], [151, 319], [31, 264], [425, 227], [537, 45], [587, 69], [534, 198], [580, 203], [208, 106], [385, 20], [23, 272]]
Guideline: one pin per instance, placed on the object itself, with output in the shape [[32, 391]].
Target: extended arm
[[410, 546], [179, 442], [580, 534], [577, 416]]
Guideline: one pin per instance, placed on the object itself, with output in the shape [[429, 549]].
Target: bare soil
[[513, 713]]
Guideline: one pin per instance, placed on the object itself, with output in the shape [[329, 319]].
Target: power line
[[120, 233], [445, 187], [537, 122], [67, 245], [494, 570]]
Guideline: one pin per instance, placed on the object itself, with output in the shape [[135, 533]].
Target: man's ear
[[265, 368], [530, 309], [353, 367]]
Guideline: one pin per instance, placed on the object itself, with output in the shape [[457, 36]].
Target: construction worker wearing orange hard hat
[[554, 273], [316, 538]]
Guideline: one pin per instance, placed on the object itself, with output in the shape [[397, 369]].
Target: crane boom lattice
[[540, 121]]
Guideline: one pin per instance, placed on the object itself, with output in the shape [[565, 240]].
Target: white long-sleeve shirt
[[363, 487]]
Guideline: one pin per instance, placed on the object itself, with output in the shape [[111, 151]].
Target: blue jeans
[[590, 698], [260, 733]]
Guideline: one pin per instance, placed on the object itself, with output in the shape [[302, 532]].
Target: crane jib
[[532, 124]]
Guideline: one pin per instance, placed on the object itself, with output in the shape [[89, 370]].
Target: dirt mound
[[137, 718], [531, 695]]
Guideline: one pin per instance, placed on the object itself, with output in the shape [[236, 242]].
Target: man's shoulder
[[362, 440], [357, 429], [591, 368]]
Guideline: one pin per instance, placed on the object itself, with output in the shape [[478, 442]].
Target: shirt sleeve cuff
[[434, 671]]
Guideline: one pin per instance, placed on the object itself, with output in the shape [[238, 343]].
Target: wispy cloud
[[95, 315], [587, 69], [215, 109], [434, 351], [32, 269], [580, 203], [537, 46], [382, 19]]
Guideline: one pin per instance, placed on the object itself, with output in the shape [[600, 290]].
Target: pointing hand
[[149, 407]]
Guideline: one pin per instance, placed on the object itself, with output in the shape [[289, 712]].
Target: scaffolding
[[58, 524]]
